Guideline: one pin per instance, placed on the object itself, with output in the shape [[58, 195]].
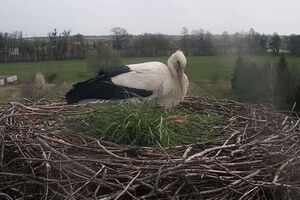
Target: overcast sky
[[97, 17]]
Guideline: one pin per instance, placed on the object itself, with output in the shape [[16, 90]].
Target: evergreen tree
[[248, 82], [283, 87], [236, 74]]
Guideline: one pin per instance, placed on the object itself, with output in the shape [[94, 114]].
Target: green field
[[209, 75]]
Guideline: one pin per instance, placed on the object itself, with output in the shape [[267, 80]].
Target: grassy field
[[209, 75], [67, 71]]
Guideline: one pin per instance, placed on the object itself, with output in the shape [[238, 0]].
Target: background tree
[[3, 45], [141, 45], [151, 45], [77, 47], [119, 37], [274, 43], [38, 49], [294, 44], [184, 42], [102, 58], [238, 44], [283, 87], [63, 43], [160, 45], [59, 44], [225, 42], [197, 42], [28, 50], [208, 44], [252, 41], [262, 44], [270, 78], [244, 81], [251, 83]]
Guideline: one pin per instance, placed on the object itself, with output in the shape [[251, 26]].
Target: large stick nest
[[258, 157]]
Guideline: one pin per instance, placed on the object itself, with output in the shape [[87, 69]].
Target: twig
[[128, 185]]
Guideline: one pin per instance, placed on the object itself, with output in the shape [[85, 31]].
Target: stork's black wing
[[101, 87]]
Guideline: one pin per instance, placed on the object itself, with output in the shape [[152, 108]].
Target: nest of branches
[[258, 157]]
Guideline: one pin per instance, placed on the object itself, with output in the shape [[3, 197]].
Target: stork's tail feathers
[[77, 93]]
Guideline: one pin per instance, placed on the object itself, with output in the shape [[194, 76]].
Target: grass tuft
[[146, 126]]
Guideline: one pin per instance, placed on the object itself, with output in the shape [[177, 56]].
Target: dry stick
[[110, 153], [282, 167], [2, 155], [187, 151], [284, 121], [101, 181], [231, 184], [26, 107], [165, 152], [178, 190], [64, 156], [293, 127], [6, 195], [158, 176], [209, 150], [294, 187], [91, 179], [232, 135], [248, 192], [47, 165], [128, 185], [246, 177], [60, 141], [8, 116], [234, 174]]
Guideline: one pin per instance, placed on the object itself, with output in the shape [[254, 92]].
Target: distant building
[[13, 51], [281, 51], [284, 51]]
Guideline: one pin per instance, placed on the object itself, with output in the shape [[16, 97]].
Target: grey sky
[[97, 17]]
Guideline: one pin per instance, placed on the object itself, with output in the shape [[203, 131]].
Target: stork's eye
[[178, 63]]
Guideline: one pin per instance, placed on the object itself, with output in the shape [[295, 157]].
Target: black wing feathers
[[101, 87], [114, 71]]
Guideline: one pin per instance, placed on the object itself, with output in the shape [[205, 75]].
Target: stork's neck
[[180, 78], [172, 68], [177, 76]]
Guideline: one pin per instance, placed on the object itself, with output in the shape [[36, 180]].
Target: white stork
[[152, 81]]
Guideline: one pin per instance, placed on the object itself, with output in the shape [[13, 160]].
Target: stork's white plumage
[[152, 81]]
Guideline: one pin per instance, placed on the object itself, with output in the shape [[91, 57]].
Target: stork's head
[[177, 62]]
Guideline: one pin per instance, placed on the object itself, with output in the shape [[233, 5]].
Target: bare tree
[[59, 43], [3, 46], [275, 43], [197, 41], [77, 46], [151, 45], [225, 42], [120, 36], [185, 43]]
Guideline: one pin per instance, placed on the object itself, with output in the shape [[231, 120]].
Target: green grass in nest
[[146, 126]]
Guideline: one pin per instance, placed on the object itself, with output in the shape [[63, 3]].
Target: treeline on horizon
[[62, 46]]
